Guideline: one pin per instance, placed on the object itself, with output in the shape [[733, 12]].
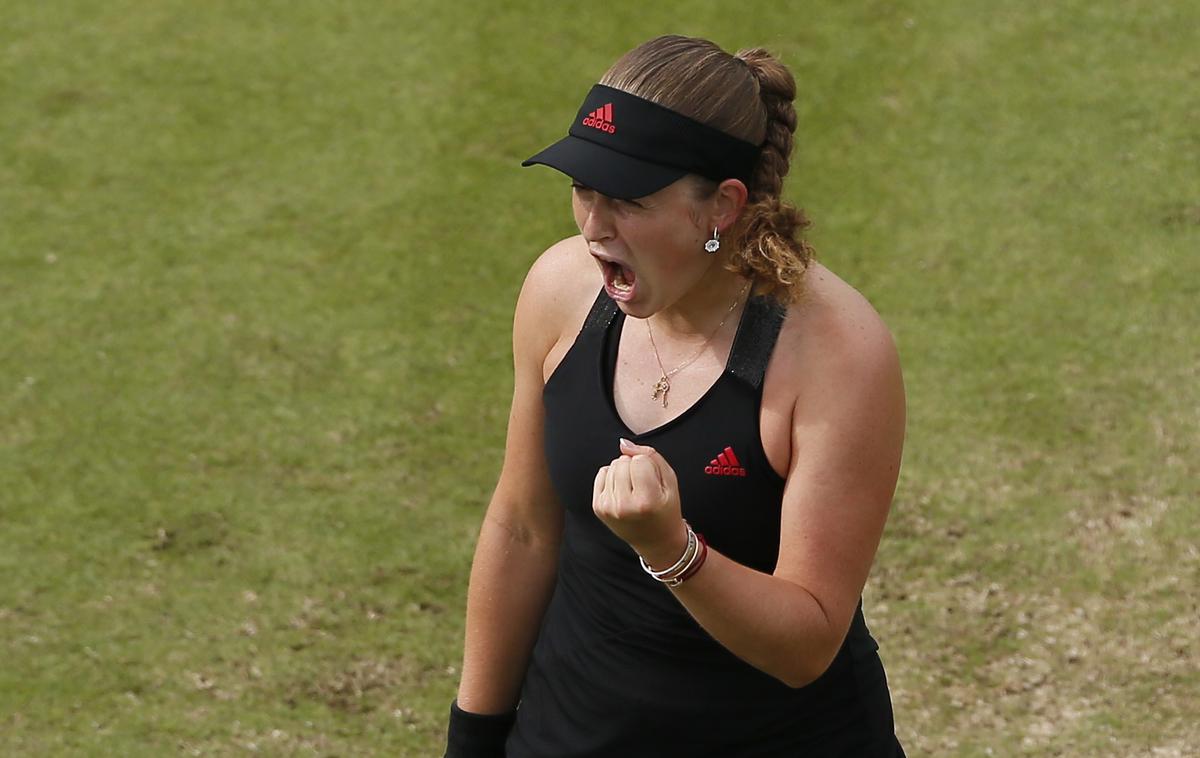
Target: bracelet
[[687, 565], [688, 553], [695, 565]]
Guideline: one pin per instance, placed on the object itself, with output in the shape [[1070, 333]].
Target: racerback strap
[[751, 347], [755, 340], [601, 314]]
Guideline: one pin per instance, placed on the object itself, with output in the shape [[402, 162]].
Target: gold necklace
[[663, 385]]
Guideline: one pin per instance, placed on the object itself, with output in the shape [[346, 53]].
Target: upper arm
[[847, 435], [524, 501]]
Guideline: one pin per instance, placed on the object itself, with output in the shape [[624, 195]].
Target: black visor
[[626, 147]]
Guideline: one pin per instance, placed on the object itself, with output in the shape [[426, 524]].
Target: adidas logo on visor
[[601, 119]]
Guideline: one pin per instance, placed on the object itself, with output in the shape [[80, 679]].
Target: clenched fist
[[637, 497]]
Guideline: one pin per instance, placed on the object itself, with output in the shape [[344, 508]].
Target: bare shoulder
[[833, 334], [555, 297]]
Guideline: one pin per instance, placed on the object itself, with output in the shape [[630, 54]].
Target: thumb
[[658, 467], [628, 448], [645, 475]]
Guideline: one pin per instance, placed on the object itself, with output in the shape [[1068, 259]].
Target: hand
[[637, 497]]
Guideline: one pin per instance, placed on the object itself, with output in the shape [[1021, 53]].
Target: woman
[[703, 447]]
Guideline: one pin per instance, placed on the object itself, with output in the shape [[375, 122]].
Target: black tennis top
[[620, 669]]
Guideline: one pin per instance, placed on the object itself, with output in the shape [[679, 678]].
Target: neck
[[695, 315]]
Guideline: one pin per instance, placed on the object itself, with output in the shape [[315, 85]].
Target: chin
[[635, 309]]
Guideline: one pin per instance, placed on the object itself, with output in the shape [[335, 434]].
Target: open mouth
[[619, 280]]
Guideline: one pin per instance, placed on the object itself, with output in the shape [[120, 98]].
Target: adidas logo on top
[[601, 119], [725, 464]]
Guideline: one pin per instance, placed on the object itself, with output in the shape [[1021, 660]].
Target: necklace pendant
[[661, 388]]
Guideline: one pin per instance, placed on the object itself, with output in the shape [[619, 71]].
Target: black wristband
[[477, 735]]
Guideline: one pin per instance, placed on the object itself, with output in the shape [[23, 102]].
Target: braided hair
[[748, 95]]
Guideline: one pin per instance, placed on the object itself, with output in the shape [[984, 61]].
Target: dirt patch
[[191, 532], [363, 685]]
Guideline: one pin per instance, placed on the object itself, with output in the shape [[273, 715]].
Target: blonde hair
[[748, 95]]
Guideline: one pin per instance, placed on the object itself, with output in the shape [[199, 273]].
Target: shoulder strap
[[601, 314], [755, 340]]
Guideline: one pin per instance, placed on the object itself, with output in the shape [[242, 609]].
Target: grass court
[[257, 269]]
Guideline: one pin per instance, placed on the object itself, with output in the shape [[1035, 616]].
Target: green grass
[[258, 266]]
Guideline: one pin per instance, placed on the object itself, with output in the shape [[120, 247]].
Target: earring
[[714, 244]]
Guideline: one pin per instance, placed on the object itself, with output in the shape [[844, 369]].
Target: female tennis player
[[703, 447]]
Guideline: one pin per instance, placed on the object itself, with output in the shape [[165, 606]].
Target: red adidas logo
[[601, 119], [725, 464]]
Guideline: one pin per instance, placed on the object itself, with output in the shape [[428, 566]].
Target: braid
[[772, 250], [777, 90], [750, 97]]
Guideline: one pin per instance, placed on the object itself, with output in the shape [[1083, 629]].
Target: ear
[[728, 203]]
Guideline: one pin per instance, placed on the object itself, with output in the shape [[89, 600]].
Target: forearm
[[773, 624], [512, 577]]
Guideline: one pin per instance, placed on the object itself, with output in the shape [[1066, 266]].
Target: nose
[[596, 219]]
